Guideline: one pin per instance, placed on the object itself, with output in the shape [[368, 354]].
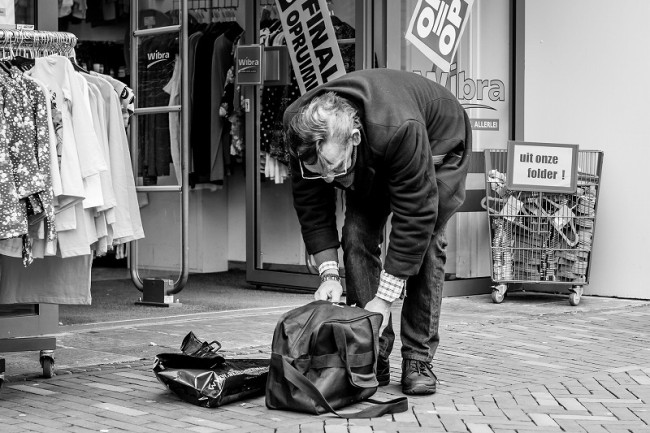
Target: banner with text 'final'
[[310, 37]]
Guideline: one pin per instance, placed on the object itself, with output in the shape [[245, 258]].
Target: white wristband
[[329, 265]]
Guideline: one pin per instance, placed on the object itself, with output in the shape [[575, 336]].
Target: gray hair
[[326, 117]]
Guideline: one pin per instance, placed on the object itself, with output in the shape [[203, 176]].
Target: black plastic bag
[[192, 346], [211, 382]]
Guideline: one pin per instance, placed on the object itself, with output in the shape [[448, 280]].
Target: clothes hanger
[[4, 67], [7, 37]]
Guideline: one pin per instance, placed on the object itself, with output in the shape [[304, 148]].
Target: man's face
[[334, 160]]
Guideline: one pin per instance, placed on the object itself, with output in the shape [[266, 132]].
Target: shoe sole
[[420, 390]]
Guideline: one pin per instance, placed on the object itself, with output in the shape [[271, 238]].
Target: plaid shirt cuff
[[390, 287], [326, 266]]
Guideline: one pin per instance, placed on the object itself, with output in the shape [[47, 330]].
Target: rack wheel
[[48, 367], [498, 293], [574, 299], [47, 362], [575, 295]]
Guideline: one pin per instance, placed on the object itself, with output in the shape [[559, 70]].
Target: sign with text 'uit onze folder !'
[[546, 167]]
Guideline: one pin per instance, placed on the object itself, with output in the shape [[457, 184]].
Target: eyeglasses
[[331, 170]]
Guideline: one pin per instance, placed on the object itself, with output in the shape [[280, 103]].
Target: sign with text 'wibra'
[[436, 28], [309, 34], [249, 64]]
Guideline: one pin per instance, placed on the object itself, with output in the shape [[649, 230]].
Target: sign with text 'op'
[[436, 28], [309, 34]]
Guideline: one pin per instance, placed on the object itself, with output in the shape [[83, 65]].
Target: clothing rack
[[212, 4], [21, 322], [38, 43]]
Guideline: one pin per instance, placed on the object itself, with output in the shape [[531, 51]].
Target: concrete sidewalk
[[532, 363]]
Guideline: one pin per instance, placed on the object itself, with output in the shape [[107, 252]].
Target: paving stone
[[479, 428], [516, 414], [452, 423], [312, 427], [336, 428], [571, 404], [431, 421], [201, 429], [32, 389], [543, 420], [120, 409], [360, 429]]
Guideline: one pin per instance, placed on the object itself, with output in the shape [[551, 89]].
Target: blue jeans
[[362, 236]]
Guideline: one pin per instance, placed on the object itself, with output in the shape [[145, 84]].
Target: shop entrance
[[276, 255], [371, 34]]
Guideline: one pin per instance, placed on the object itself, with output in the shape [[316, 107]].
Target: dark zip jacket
[[405, 119]]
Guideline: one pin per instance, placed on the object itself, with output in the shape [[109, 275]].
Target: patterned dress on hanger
[[25, 135]]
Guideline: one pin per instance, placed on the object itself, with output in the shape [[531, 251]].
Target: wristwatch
[[327, 277]]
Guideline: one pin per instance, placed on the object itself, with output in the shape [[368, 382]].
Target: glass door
[[276, 254]]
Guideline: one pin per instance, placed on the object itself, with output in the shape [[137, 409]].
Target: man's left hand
[[378, 305]]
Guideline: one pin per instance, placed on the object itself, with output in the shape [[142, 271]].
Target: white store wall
[[586, 83]]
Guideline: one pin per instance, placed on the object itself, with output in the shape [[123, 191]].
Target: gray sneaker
[[417, 378]]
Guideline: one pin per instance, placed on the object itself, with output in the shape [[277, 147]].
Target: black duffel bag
[[324, 357]]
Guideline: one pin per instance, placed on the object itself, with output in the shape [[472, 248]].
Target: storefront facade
[[518, 78]]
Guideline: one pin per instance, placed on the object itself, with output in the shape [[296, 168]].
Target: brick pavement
[[527, 365]]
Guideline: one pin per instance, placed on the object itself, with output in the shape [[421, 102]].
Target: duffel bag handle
[[360, 380], [378, 409]]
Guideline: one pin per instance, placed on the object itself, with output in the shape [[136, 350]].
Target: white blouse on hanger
[[91, 175]]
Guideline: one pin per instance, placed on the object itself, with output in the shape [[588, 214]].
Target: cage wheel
[[48, 367], [497, 296]]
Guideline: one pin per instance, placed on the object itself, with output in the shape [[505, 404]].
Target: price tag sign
[[436, 27], [545, 167]]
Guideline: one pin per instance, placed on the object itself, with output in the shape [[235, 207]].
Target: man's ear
[[356, 137]]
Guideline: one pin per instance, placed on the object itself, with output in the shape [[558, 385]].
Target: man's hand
[[378, 305], [329, 289]]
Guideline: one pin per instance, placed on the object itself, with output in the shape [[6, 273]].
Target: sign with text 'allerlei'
[[545, 167], [309, 34], [249, 64], [436, 28]]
